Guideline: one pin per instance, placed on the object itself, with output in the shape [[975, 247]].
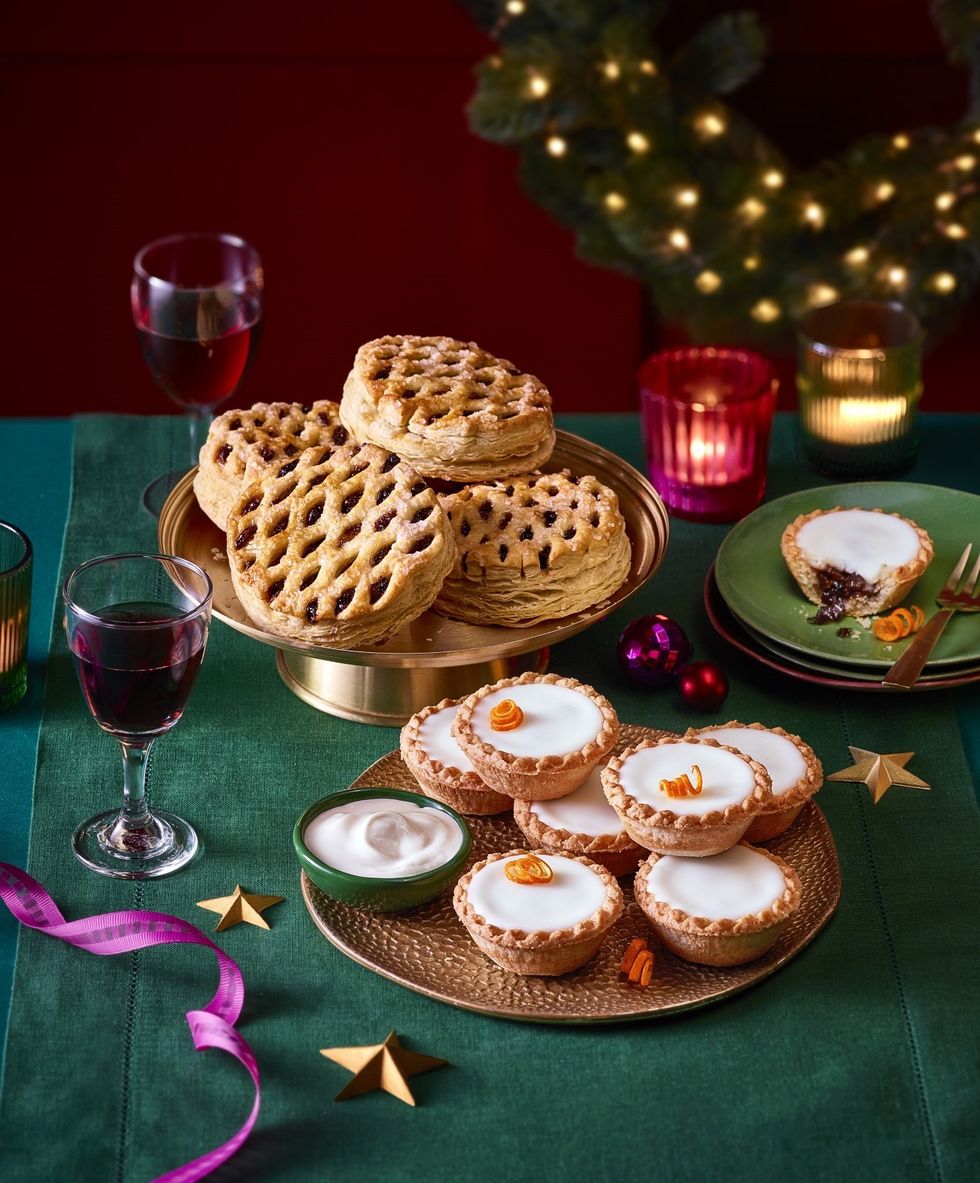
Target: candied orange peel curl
[[506, 715], [682, 786], [899, 624], [637, 964], [528, 870]]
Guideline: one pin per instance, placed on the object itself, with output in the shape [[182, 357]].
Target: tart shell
[[618, 853]]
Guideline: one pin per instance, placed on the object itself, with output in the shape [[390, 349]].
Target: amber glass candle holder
[[707, 415], [859, 381], [16, 570]]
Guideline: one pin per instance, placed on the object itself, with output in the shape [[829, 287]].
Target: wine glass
[[197, 305], [137, 625]]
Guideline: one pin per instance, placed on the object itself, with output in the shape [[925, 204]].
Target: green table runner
[[858, 1059]]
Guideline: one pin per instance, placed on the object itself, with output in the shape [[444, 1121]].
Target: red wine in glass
[[196, 301], [136, 681]]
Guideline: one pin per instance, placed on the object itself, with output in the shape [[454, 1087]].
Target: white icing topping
[[557, 720], [739, 882], [727, 779], [858, 540], [383, 838], [573, 894], [439, 744], [780, 757], [586, 811]]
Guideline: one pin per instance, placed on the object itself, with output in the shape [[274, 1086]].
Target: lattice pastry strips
[[449, 408], [533, 548], [244, 446], [342, 548]]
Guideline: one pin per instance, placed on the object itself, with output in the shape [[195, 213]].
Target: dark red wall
[[333, 136]]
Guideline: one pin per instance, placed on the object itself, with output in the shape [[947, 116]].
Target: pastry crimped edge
[[719, 942], [535, 778], [697, 834], [777, 817], [540, 951], [618, 853], [464, 791], [893, 588]]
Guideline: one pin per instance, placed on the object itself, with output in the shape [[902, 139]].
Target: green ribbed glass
[[16, 569], [859, 381]]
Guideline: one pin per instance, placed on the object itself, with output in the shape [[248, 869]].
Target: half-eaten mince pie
[[855, 562], [533, 548], [342, 551], [451, 409], [244, 446]]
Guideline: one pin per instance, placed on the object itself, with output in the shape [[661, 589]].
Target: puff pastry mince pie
[[544, 928], [343, 550], [793, 765], [646, 786], [437, 762], [533, 548], [582, 823], [855, 562], [565, 729], [723, 910], [449, 408], [244, 446]]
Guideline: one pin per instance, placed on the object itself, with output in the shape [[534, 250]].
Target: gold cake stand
[[428, 950], [433, 657]]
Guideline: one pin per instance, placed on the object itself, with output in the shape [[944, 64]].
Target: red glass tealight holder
[[707, 415]]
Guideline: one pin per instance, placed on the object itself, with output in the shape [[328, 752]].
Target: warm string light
[[687, 197], [647, 67], [884, 191], [751, 262], [707, 282], [943, 282], [612, 70], [710, 124], [637, 142], [679, 240], [819, 294], [752, 209], [897, 276], [766, 311], [945, 201], [615, 202], [900, 141], [857, 256], [975, 135], [965, 163], [557, 145], [538, 86], [814, 214], [954, 230], [515, 7], [773, 179]]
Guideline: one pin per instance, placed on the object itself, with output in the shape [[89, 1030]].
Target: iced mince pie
[[582, 823], [723, 910], [855, 562], [534, 912], [792, 764], [686, 796], [449, 408], [537, 736], [437, 762], [243, 446], [533, 548], [342, 551]]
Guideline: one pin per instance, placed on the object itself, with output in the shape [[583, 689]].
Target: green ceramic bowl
[[379, 895]]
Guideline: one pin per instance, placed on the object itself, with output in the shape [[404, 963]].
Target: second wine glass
[[197, 305]]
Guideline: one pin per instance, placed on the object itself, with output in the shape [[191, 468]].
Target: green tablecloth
[[858, 1060]]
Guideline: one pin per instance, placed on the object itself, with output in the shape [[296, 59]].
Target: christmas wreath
[[634, 150]]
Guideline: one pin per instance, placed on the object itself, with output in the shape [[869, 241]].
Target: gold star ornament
[[879, 773], [240, 906], [384, 1066]]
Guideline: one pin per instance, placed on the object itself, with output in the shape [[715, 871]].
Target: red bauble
[[703, 685]]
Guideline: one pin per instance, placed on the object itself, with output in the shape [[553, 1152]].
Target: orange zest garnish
[[637, 964], [899, 623], [681, 786], [528, 870], [506, 715]]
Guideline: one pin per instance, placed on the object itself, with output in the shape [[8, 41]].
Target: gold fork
[[906, 670]]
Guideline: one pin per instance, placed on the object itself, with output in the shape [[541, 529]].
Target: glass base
[[156, 492], [105, 844]]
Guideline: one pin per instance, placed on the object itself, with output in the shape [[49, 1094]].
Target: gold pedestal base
[[386, 696]]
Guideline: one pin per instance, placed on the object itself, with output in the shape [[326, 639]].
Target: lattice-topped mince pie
[[533, 548], [343, 550], [855, 562], [244, 446], [449, 408]]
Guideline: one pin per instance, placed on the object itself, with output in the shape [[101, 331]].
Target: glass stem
[[135, 814], [198, 423]]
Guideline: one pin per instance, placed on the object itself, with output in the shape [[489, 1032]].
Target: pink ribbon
[[124, 932]]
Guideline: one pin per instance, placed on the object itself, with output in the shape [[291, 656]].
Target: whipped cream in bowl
[[380, 848]]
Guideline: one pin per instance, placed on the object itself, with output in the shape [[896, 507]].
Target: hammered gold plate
[[433, 640], [429, 951]]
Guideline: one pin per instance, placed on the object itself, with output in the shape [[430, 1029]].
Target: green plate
[[757, 586]]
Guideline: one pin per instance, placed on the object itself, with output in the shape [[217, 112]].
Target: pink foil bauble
[[703, 685], [651, 649]]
